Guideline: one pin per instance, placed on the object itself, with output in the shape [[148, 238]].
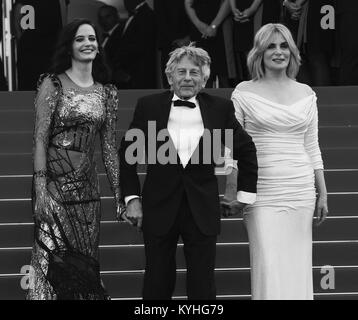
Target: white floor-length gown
[[279, 223]]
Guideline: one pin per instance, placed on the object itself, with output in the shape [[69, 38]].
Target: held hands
[[321, 209], [242, 16], [231, 207], [133, 214], [205, 30], [294, 9]]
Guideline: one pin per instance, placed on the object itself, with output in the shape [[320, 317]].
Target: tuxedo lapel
[[205, 111], [164, 110]]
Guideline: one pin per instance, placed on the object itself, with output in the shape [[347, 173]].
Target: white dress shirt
[[185, 126]]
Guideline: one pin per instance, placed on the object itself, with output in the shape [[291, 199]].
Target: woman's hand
[[44, 207], [120, 212], [242, 16], [321, 209], [294, 9], [202, 27]]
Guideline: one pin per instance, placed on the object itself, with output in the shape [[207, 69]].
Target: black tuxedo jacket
[[166, 184], [112, 46], [136, 55]]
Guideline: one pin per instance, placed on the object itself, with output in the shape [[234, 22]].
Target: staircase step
[[14, 120], [235, 282], [331, 136], [23, 120], [232, 231], [25, 99], [227, 256], [16, 211], [128, 98], [334, 158], [15, 187]]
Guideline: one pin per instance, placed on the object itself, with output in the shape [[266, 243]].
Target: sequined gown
[[68, 118]]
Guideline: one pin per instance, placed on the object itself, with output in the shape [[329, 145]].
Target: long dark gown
[[68, 118], [206, 10]]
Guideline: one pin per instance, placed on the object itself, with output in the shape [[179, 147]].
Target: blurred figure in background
[[3, 83], [347, 12], [35, 47], [316, 43], [135, 60], [109, 21], [173, 29], [249, 16], [206, 17]]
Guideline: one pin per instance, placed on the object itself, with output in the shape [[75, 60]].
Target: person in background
[[347, 12], [136, 55], [35, 47], [3, 82], [315, 42], [173, 29], [281, 116], [246, 24], [108, 19], [206, 17]]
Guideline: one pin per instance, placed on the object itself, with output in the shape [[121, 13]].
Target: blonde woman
[[281, 116]]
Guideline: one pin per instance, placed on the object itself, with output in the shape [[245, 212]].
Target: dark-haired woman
[[73, 104]]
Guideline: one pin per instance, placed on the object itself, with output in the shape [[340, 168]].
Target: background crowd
[[137, 44]]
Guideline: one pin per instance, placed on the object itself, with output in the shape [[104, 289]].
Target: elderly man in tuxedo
[[180, 197]]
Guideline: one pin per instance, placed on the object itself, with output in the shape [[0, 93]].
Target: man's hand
[[134, 213], [231, 207]]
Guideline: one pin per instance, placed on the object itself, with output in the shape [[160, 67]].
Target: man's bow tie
[[184, 103]]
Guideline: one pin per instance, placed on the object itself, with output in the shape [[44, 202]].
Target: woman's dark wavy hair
[[62, 59]]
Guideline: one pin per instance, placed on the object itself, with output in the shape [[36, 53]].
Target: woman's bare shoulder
[[246, 86], [303, 88]]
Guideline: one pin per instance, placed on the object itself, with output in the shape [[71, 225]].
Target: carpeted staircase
[[121, 248]]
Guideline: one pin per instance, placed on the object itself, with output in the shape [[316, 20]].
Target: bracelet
[[40, 173]]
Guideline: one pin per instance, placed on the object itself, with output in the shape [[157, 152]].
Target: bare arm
[[222, 13], [250, 11], [200, 25]]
